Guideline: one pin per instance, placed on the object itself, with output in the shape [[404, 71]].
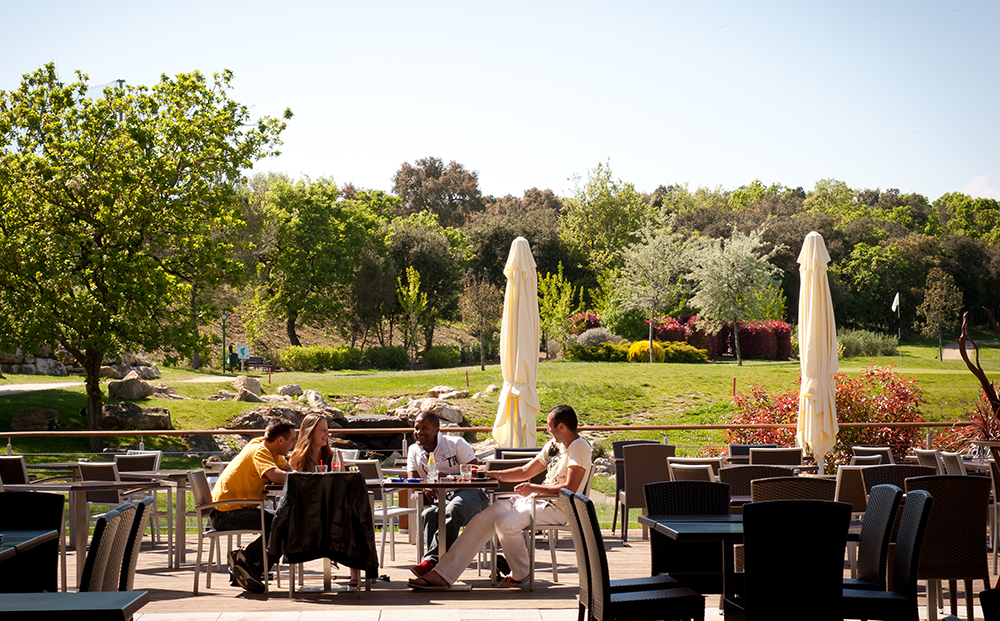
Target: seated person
[[565, 459], [449, 452], [260, 462], [311, 450]]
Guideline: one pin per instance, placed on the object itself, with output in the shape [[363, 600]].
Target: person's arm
[[571, 481], [276, 475], [515, 475]]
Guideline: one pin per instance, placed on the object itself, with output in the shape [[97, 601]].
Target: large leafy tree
[[319, 242], [450, 192], [107, 209], [735, 281], [941, 307]]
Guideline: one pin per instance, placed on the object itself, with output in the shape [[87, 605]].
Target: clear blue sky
[[875, 94]]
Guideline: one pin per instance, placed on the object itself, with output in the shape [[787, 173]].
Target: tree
[[482, 307], [108, 207], [871, 275], [555, 306], [651, 275], [941, 307], [734, 281], [315, 257], [412, 304], [372, 299], [450, 192], [604, 216]]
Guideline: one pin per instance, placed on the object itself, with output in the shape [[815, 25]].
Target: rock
[[246, 383], [128, 360], [292, 390], [164, 389], [444, 410], [35, 419], [226, 394], [149, 371], [447, 392], [167, 395], [142, 361], [246, 395], [202, 444], [258, 417], [492, 388], [10, 358], [45, 351], [112, 372], [373, 421], [49, 366], [605, 466], [315, 400], [128, 415], [132, 387], [22, 369], [439, 390], [276, 399]]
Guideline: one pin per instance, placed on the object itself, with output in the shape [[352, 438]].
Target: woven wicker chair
[[32, 511], [695, 563], [884, 451], [103, 565], [953, 464], [901, 602], [739, 477], [691, 472], [956, 534], [644, 463], [895, 474], [775, 533], [866, 460], [776, 456], [740, 453], [674, 604], [616, 450], [715, 462], [617, 586], [793, 488], [930, 458], [876, 531], [143, 510], [995, 514], [13, 469]]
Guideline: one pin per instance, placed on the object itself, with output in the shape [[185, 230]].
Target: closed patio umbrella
[[519, 334], [817, 424]]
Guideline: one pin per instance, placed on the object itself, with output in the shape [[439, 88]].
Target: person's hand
[[491, 474], [523, 489], [431, 494]]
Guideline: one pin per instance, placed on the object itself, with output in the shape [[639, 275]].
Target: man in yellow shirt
[[260, 462]]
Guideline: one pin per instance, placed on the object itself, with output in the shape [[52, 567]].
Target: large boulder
[[291, 390], [249, 384], [112, 372], [440, 407], [35, 419], [50, 366], [447, 392], [276, 399], [315, 400], [372, 421], [132, 387], [128, 415], [149, 371], [246, 395], [258, 417]]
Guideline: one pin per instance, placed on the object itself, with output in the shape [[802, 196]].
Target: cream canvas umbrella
[[519, 334], [817, 424]]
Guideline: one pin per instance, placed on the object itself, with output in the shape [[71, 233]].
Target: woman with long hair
[[311, 450]]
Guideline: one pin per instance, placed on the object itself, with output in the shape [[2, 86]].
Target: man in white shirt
[[449, 452]]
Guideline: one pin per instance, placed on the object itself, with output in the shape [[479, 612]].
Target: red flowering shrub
[[698, 337], [582, 322], [667, 329], [757, 341], [985, 427], [877, 394]]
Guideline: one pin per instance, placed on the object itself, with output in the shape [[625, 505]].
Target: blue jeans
[[462, 506], [246, 519]]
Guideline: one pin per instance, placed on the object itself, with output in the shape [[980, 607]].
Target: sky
[[534, 94]]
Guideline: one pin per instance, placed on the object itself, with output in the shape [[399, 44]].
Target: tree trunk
[[736, 338], [195, 363], [293, 338], [429, 334], [482, 347], [940, 349], [92, 365], [652, 314]]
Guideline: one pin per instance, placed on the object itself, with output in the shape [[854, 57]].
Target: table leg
[[442, 535], [180, 524], [419, 527], [728, 570], [81, 526]]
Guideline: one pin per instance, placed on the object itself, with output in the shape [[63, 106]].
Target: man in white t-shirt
[[566, 460], [449, 452]]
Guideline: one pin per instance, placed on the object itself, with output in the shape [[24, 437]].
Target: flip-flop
[[510, 583], [422, 584]]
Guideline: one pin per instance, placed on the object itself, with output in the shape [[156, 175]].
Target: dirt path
[[7, 390]]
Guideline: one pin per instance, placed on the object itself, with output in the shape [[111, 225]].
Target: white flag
[[895, 302]]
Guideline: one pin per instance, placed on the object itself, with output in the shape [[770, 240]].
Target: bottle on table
[[432, 470]]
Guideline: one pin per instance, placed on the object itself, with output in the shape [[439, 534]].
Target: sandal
[[510, 583]]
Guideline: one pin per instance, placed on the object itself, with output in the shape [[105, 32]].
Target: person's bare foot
[[432, 578]]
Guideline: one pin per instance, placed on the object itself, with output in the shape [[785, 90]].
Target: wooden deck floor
[[171, 590]]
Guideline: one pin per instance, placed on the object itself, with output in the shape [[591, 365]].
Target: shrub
[[388, 357], [667, 329], [320, 358], [441, 357], [699, 337], [876, 395], [683, 353], [757, 341], [596, 336], [469, 352], [639, 352], [582, 322], [864, 343], [605, 352]]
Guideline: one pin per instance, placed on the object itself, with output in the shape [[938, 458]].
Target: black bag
[[503, 569]]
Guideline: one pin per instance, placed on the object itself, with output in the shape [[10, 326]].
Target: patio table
[[87, 606], [25, 565], [725, 529], [176, 528]]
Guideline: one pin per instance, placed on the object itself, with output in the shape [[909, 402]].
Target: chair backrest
[[884, 451], [616, 450], [851, 487], [582, 562], [32, 511], [777, 535], [930, 458], [909, 538], [130, 559], [895, 474], [687, 498], [715, 462], [102, 567], [597, 558], [644, 463], [739, 477], [13, 469], [200, 489], [691, 472], [501, 452], [136, 463], [159, 456], [793, 488], [865, 460], [371, 469], [101, 471], [618, 445], [349, 454], [503, 464], [778, 456], [953, 464], [743, 450], [876, 533], [956, 529]]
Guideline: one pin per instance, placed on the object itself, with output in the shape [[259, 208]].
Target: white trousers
[[507, 518]]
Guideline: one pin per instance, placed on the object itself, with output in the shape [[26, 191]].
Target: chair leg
[[553, 541], [197, 562], [625, 523], [932, 596], [614, 520], [208, 574], [381, 556], [392, 540]]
